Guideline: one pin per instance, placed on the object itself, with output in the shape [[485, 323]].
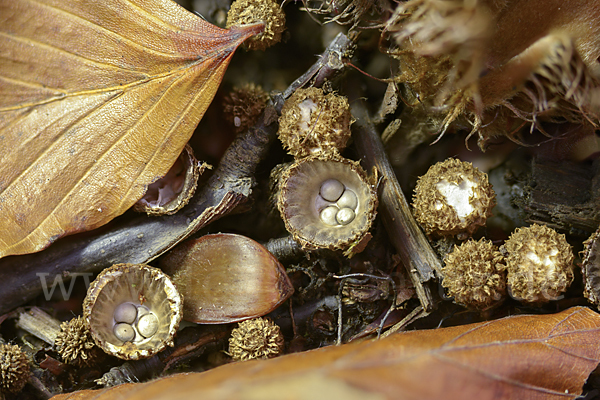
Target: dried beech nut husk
[[327, 202], [74, 343], [144, 289], [226, 278], [590, 268], [172, 192]]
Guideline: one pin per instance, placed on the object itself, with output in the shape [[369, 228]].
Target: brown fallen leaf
[[97, 100], [520, 357]]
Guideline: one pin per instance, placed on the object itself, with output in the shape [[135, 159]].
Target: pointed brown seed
[[226, 278]]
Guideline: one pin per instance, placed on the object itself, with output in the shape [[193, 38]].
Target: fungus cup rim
[[105, 292]]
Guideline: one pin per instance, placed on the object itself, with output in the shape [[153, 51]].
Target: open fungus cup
[[305, 208], [133, 310]]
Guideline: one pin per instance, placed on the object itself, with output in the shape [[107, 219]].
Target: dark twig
[[141, 239], [330, 62], [413, 247]]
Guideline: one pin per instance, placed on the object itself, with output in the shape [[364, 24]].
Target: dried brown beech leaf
[[520, 357], [97, 101]]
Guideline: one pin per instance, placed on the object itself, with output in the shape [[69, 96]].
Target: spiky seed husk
[[14, 368], [437, 211], [245, 12], [313, 122], [74, 343], [255, 338], [539, 264], [474, 274]]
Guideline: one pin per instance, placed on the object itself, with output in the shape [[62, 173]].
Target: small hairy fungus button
[[243, 106], [474, 274], [268, 12], [255, 338], [453, 198], [313, 122], [172, 192], [132, 310], [14, 368], [74, 343], [590, 268], [539, 264], [327, 203]]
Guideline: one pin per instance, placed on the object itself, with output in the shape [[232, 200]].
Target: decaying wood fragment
[[413, 247]]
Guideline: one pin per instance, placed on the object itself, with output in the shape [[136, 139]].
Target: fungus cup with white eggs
[[327, 202], [133, 310]]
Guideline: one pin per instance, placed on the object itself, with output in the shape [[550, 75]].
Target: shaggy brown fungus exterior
[[313, 122], [539, 264], [268, 12], [327, 202], [244, 105], [474, 274], [132, 310], [14, 368], [255, 338], [74, 343], [453, 198]]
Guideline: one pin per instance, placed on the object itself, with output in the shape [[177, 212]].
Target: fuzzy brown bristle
[[486, 64]]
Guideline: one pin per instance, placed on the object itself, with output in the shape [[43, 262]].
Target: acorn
[[172, 192], [313, 122], [268, 12], [74, 343], [473, 274], [14, 368], [132, 310], [453, 198], [327, 202], [226, 278], [255, 338], [539, 264]]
